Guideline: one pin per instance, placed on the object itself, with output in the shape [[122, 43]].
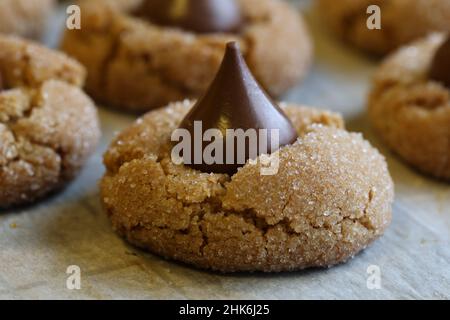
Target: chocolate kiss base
[[440, 66], [201, 16], [234, 101]]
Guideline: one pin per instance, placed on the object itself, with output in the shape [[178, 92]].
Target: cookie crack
[[26, 114], [17, 137], [260, 223], [198, 222], [18, 158]]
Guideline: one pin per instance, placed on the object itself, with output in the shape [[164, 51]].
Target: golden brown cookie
[[330, 199], [25, 18], [139, 66], [48, 126], [402, 21], [411, 112]]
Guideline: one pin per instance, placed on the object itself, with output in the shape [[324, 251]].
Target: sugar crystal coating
[[48, 126], [331, 198]]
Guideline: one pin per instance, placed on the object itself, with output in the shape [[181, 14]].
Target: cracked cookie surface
[[330, 199], [410, 112], [26, 18], [48, 126], [132, 55], [402, 21]]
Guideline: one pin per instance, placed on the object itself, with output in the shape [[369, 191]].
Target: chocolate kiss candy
[[235, 100], [201, 16], [440, 66]]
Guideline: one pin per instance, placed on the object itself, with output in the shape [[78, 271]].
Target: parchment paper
[[38, 243]]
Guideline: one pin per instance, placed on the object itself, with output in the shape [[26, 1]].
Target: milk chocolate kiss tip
[[235, 100], [201, 16], [440, 66]]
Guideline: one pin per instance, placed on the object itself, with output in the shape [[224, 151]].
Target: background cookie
[[410, 112], [331, 198], [402, 21], [25, 18], [132, 55], [48, 126]]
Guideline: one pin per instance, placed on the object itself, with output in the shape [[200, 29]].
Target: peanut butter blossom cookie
[[25, 18], [401, 21], [48, 126], [142, 54], [329, 198], [409, 104]]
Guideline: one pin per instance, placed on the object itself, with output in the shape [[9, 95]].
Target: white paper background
[[38, 243]]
